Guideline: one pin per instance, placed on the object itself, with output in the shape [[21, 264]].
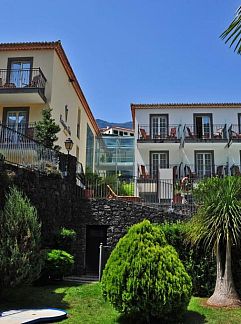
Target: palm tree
[[217, 225], [233, 32]]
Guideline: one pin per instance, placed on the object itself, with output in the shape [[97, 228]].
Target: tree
[[217, 225], [144, 278], [47, 130], [233, 32], [20, 232]]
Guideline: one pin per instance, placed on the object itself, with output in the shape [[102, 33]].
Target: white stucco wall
[[186, 155]]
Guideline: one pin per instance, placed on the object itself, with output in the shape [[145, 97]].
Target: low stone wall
[[117, 215]]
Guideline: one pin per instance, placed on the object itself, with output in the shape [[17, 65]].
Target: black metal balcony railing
[[205, 132], [234, 132], [192, 172], [162, 133], [22, 150], [26, 129], [22, 79]]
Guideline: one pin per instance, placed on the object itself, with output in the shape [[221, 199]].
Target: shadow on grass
[[189, 317], [194, 318], [35, 297]]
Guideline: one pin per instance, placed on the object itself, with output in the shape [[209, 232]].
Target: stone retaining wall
[[59, 203]]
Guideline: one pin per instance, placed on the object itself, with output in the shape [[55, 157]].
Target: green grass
[[85, 304]]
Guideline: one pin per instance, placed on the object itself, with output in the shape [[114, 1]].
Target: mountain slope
[[103, 123]]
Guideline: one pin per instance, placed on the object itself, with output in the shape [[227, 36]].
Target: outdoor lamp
[[68, 144]]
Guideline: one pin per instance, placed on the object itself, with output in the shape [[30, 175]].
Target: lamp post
[[68, 145]]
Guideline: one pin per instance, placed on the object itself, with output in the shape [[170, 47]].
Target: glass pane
[[208, 164], [20, 74], [206, 127], [154, 127], [163, 127]]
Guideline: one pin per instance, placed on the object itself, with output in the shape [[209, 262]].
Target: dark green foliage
[[20, 257], [57, 264], [65, 239], [5, 181], [199, 263], [232, 33], [47, 130], [144, 277]]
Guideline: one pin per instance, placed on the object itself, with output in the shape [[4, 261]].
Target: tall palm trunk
[[224, 292]]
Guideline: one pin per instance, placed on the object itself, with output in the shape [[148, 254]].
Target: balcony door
[[158, 160], [19, 72], [203, 125], [159, 126], [16, 119], [204, 163]]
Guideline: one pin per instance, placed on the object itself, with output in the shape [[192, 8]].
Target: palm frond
[[219, 214], [233, 32]]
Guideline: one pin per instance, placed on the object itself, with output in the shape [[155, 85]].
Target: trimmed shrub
[[144, 277], [20, 232], [58, 263], [199, 264], [65, 239]]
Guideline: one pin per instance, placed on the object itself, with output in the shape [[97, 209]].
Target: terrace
[[155, 134], [22, 85]]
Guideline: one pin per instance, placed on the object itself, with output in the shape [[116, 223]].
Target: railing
[[181, 170], [234, 132], [22, 150], [26, 129], [152, 132], [205, 132], [205, 171], [147, 171], [22, 78], [152, 192]]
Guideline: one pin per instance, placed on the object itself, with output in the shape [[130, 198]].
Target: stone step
[[82, 279]]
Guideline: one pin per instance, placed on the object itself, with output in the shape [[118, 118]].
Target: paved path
[[31, 316]]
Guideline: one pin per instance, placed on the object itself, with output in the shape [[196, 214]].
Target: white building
[[118, 131], [194, 140]]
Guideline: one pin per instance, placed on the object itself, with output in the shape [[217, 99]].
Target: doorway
[[203, 125], [95, 234]]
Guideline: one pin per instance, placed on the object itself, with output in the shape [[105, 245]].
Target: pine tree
[[47, 130], [20, 232]]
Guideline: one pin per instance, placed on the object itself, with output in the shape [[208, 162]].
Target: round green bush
[[144, 278]]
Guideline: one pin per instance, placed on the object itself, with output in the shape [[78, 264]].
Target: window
[[239, 123], [20, 71], [204, 163], [16, 119], [89, 149], [158, 160], [203, 125], [121, 133], [115, 132], [78, 123], [159, 126]]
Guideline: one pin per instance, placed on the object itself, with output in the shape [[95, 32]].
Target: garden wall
[[59, 203]]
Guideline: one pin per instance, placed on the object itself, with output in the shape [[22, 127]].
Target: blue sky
[[141, 51]]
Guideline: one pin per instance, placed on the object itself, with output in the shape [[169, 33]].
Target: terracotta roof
[[56, 45], [182, 105]]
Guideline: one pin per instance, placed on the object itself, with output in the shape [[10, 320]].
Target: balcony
[[159, 134], [14, 134], [22, 86], [234, 133], [205, 133]]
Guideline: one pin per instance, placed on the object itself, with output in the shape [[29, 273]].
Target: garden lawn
[[85, 304]]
